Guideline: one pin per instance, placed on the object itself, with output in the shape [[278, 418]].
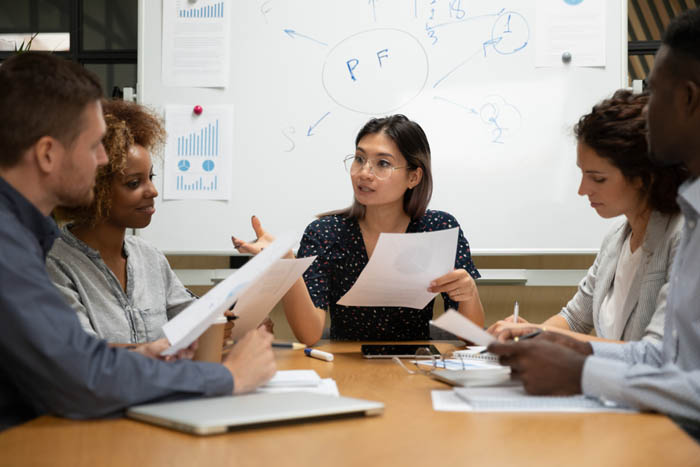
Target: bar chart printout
[[198, 153], [215, 10], [196, 45]]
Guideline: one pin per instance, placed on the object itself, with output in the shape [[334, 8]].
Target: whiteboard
[[500, 129]]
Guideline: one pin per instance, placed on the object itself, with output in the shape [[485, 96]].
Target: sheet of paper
[[448, 401], [294, 378], [515, 399], [196, 43], [256, 303], [327, 386], [458, 325], [198, 152], [401, 269], [576, 27], [191, 322]]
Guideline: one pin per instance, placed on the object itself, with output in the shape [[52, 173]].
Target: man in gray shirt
[[50, 148], [663, 377]]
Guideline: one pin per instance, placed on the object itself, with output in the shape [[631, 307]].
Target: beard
[[73, 196]]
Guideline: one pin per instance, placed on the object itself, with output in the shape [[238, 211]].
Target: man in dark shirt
[[50, 148]]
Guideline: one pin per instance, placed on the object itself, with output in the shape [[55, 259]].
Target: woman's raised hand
[[256, 246]]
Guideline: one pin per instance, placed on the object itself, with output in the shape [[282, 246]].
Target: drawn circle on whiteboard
[[510, 33], [183, 165], [573, 2], [375, 71], [208, 165]]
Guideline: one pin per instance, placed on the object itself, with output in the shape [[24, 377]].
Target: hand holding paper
[[402, 268], [187, 326]]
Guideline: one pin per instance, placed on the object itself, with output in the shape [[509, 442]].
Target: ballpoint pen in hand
[[516, 311], [528, 336]]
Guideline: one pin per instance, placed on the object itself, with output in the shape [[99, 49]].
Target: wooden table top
[[409, 432]]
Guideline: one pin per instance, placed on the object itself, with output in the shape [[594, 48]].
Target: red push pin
[[197, 110]]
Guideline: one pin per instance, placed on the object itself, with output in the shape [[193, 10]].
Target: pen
[[528, 336], [320, 354], [516, 311], [288, 345]]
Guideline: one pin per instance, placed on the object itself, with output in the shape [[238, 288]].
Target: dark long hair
[[410, 138], [616, 130]]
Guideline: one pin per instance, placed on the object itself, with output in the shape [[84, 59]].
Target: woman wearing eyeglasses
[[392, 184]]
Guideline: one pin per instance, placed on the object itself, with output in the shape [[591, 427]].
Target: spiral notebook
[[475, 353]]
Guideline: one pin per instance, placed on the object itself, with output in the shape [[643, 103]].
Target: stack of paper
[[300, 381]]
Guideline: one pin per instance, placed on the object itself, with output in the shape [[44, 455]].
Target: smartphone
[[394, 350]]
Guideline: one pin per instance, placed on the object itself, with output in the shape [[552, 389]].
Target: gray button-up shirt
[[663, 376], [48, 364], [153, 293]]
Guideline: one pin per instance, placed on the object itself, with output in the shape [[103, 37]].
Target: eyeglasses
[[425, 362], [382, 169]]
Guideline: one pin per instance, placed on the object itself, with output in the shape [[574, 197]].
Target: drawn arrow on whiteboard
[[293, 34], [374, 8], [311, 128]]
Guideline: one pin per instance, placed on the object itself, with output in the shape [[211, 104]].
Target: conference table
[[409, 433]]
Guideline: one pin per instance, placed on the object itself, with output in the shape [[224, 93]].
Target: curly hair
[[616, 130], [127, 124]]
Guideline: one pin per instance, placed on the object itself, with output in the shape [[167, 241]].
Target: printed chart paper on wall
[[196, 43], [198, 153]]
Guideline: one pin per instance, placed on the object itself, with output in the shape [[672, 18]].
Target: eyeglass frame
[[371, 167], [424, 354]]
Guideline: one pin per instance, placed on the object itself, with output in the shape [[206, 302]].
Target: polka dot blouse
[[338, 243]]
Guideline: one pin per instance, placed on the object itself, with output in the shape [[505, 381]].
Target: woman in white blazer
[[623, 296]]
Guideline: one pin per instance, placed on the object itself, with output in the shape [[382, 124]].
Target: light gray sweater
[[153, 293]]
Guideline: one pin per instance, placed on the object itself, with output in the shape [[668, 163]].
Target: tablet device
[[395, 350]]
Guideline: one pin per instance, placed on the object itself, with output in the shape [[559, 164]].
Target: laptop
[[220, 414]]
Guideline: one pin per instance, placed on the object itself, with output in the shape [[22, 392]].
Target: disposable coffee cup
[[211, 342]]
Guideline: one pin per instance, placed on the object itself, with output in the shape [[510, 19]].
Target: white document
[[255, 303], [570, 26], [326, 386], [198, 152], [191, 322], [294, 378], [448, 401], [515, 399], [458, 325], [401, 269], [196, 43]]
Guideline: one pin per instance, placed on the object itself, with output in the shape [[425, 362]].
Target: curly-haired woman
[[121, 287], [623, 296]]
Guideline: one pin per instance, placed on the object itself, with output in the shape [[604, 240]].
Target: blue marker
[[320, 354]]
